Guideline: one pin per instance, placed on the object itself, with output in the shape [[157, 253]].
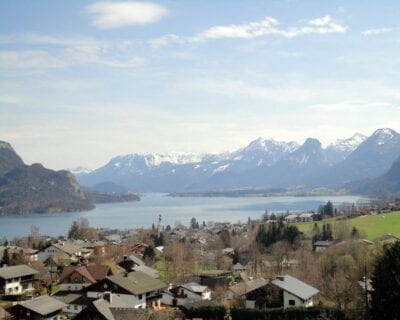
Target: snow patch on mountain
[[221, 168], [349, 144]]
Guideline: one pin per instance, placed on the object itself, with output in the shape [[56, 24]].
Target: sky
[[84, 81]]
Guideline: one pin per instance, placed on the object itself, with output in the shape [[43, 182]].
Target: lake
[[173, 209]]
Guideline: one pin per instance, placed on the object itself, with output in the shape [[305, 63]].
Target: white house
[[285, 291], [65, 250], [16, 280], [186, 294], [296, 293]]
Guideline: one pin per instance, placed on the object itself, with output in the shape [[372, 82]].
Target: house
[[285, 291], [306, 217], [41, 308], [65, 250], [186, 294], [296, 293], [214, 278], [30, 255], [239, 290], [17, 279], [291, 218], [98, 247], [320, 246], [76, 278], [131, 261], [112, 307], [75, 303], [137, 288], [238, 268]]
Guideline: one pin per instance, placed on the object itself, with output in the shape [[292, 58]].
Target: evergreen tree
[[386, 285], [272, 217], [265, 216], [74, 231], [193, 223], [6, 258]]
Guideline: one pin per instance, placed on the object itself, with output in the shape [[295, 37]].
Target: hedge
[[207, 312], [312, 313]]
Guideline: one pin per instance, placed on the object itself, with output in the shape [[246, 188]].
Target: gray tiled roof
[[295, 287], [137, 282], [16, 271], [43, 305]]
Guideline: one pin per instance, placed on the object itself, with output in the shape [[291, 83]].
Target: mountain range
[[263, 164]]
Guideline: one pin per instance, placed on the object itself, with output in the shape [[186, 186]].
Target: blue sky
[[83, 81]]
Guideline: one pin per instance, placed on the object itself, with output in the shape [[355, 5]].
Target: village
[[210, 270]]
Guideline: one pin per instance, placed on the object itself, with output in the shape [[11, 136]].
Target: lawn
[[373, 226]]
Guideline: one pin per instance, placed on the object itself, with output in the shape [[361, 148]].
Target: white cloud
[[110, 15], [267, 26], [376, 32]]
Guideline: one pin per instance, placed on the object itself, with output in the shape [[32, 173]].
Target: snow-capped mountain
[[264, 163], [339, 150]]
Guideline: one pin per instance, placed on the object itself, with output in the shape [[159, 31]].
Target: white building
[[16, 280], [186, 294]]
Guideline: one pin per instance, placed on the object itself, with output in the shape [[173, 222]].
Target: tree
[[386, 284], [168, 228], [265, 216], [6, 258], [193, 223], [74, 231]]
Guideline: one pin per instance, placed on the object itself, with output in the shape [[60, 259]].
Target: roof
[[103, 306], [82, 270], [99, 272], [306, 215], [238, 266], [43, 305], [194, 287], [291, 216], [137, 282], [248, 286], [295, 287], [16, 271], [148, 270], [68, 248], [69, 298], [325, 243]]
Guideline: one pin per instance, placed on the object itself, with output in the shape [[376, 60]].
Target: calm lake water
[[145, 212]]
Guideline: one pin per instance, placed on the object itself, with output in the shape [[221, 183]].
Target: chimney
[[107, 296]]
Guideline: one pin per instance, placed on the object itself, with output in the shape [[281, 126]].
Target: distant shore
[[263, 193]]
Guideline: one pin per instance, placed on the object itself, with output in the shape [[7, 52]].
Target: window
[[140, 296], [75, 307], [292, 303]]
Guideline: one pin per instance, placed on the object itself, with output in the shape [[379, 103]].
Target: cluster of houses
[[81, 289]]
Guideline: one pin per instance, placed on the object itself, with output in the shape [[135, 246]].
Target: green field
[[372, 226]]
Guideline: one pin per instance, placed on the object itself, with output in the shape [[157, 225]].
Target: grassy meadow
[[371, 226]]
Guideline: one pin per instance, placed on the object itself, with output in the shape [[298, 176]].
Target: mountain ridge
[[263, 163]]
